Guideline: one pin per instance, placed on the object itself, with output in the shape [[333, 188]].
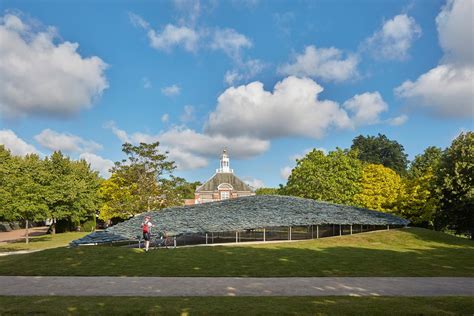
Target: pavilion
[[251, 218]]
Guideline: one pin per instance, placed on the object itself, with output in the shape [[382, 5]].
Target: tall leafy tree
[[381, 150], [22, 188], [184, 189], [380, 188], [8, 172], [72, 189], [456, 186], [333, 177], [29, 203], [420, 201], [141, 182]]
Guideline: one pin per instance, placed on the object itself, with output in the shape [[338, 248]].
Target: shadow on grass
[[413, 252]]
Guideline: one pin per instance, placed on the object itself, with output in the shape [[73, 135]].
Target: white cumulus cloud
[[394, 39], [448, 89], [15, 144], [244, 71], [292, 109], [328, 64], [285, 172], [254, 182], [169, 36], [191, 149], [366, 108], [455, 24], [98, 163], [230, 42], [399, 120], [65, 142], [40, 74]]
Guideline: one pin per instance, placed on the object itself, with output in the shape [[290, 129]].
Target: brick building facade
[[223, 185]]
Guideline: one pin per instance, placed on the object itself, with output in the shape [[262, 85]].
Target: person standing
[[146, 227]]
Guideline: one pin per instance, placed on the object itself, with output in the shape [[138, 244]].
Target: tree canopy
[[420, 200], [333, 177], [34, 189], [141, 182], [380, 188], [381, 150], [456, 186]]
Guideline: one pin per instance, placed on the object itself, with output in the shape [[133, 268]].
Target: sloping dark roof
[[224, 177], [253, 212]]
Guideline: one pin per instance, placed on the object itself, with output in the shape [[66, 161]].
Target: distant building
[[223, 185]]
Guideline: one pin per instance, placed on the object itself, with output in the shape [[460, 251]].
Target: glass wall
[[275, 234]]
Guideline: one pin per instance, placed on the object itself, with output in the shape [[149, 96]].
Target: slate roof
[[252, 212], [224, 177]]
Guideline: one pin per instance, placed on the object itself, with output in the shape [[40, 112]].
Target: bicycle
[[163, 241]]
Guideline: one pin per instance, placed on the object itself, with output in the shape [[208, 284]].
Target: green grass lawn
[[41, 242], [237, 305], [404, 252]]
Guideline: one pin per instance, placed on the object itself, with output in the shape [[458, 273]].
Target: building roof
[[224, 177], [251, 212]]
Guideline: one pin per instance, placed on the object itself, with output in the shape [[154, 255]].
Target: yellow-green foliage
[[380, 188], [118, 198], [418, 202]]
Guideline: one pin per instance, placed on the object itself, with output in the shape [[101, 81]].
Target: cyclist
[[146, 227]]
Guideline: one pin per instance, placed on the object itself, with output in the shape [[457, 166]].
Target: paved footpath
[[228, 286]]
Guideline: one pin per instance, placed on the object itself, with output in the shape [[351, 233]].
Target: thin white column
[[290, 234], [236, 236], [317, 231], [206, 238], [264, 237], [340, 230], [351, 229]]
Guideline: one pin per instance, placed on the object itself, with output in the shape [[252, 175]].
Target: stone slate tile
[[244, 213]]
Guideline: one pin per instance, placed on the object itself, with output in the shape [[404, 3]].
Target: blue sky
[[266, 79]]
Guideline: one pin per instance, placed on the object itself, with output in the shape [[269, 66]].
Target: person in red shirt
[[146, 227]]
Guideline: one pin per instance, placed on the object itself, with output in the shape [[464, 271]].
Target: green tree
[[29, 203], [184, 189], [143, 181], [8, 169], [456, 186], [333, 177], [381, 150], [420, 201], [267, 191], [72, 190], [380, 188], [118, 198], [22, 188]]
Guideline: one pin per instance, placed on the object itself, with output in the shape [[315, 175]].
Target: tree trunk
[[53, 227], [27, 233]]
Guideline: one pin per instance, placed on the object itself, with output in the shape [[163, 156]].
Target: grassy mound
[[404, 252]]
